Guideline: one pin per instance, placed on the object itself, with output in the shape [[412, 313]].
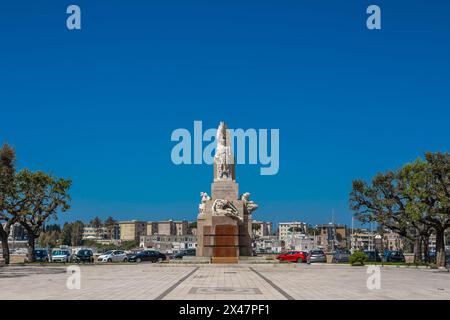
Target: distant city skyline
[[98, 105]]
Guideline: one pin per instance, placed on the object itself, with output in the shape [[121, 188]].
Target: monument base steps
[[224, 260]]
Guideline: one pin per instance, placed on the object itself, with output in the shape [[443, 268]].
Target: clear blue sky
[[99, 105]]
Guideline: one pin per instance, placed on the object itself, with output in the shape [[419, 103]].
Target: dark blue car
[[393, 256], [41, 255]]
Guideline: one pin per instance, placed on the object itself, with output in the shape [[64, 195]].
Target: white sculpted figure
[[249, 205], [202, 205], [226, 208], [223, 157]]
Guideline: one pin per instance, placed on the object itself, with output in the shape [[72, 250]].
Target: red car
[[293, 256]]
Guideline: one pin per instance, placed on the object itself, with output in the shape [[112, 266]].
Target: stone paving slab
[[225, 282]]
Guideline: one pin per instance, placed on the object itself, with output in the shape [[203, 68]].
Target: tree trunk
[[426, 248], [440, 247], [5, 246], [417, 250], [4, 233], [31, 240]]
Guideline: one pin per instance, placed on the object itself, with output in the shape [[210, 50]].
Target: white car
[[113, 256], [61, 256]]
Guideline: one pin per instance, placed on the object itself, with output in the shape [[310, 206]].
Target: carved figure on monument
[[250, 206], [202, 205], [223, 158], [226, 208]]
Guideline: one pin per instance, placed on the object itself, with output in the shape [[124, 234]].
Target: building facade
[[333, 236], [261, 229], [168, 227], [132, 230], [363, 241], [168, 243], [287, 230], [267, 244]]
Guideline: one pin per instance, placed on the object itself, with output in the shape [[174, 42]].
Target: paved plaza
[[228, 282]]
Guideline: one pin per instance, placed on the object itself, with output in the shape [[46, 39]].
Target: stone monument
[[224, 222]]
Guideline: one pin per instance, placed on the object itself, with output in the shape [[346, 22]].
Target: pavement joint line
[[171, 288], [281, 291]]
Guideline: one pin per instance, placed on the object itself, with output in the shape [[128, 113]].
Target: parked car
[[432, 256], [341, 255], [183, 253], [293, 256], [41, 255], [19, 251], [316, 256], [393, 256], [61, 255], [372, 255], [147, 255], [84, 255], [113, 256]]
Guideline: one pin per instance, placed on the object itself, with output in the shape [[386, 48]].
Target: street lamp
[[379, 237]]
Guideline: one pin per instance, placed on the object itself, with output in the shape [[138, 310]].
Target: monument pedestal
[[218, 236]]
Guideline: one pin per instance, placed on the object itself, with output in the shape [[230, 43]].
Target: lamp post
[[379, 237]]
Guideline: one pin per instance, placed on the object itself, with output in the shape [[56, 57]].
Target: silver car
[[316, 256], [113, 256], [341, 255], [61, 255]]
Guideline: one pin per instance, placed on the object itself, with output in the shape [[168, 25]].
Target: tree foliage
[[412, 201], [110, 224], [7, 216], [72, 233], [41, 196], [358, 258]]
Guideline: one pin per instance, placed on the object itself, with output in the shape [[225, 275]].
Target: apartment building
[[168, 227], [288, 229], [168, 243], [261, 229], [132, 230], [363, 241], [332, 236]]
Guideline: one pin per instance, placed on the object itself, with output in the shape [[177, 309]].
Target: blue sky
[[98, 105]]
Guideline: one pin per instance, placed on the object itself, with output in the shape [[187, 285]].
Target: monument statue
[[223, 159], [224, 222], [250, 206], [225, 207], [202, 205]]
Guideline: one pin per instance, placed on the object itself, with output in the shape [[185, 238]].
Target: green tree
[[256, 226], [49, 238], [358, 258], [72, 233], [43, 197], [193, 224], [413, 201], [312, 230], [427, 186], [7, 212], [97, 224], [110, 224], [384, 202], [66, 234], [52, 227], [77, 233]]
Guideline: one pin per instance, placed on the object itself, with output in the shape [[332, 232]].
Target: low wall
[[409, 257], [17, 258]]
